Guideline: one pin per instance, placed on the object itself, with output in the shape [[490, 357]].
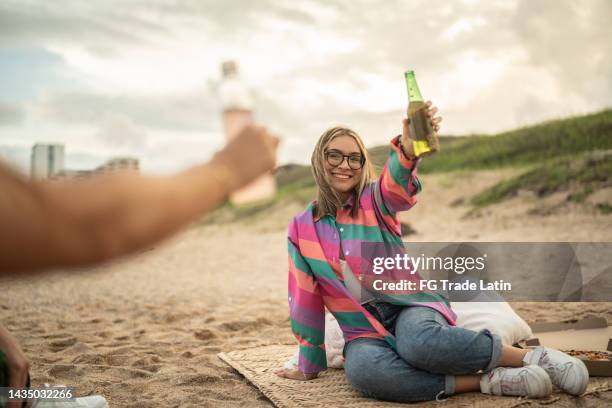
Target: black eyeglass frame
[[345, 156]]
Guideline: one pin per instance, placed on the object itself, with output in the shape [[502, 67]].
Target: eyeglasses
[[335, 158]]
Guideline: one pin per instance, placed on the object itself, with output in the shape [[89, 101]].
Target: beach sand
[[144, 331]]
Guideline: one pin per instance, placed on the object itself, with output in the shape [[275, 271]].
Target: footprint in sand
[[103, 334], [172, 318], [117, 359], [61, 344], [65, 372], [211, 349], [146, 361], [197, 379], [102, 359], [205, 334], [239, 325], [56, 335], [89, 359], [153, 368]]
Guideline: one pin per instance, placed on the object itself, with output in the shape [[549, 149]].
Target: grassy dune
[[581, 176], [553, 140]]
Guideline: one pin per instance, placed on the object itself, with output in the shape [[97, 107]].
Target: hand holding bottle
[[250, 154], [406, 140]]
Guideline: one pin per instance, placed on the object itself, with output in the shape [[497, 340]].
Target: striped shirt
[[315, 272]]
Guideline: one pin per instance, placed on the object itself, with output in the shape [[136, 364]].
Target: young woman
[[399, 352]]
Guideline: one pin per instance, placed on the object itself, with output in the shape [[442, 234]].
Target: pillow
[[496, 316]]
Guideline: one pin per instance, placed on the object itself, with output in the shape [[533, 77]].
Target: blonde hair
[[328, 200]]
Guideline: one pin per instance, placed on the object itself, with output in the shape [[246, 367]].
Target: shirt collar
[[348, 205]]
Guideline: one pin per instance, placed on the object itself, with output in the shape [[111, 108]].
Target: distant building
[[71, 175], [47, 160], [113, 165], [119, 163], [237, 114]]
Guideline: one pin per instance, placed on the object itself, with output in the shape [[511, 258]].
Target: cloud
[[95, 25], [105, 28], [16, 157], [143, 69], [198, 110], [119, 131], [10, 114], [572, 40]]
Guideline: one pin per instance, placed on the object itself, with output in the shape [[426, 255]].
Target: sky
[[135, 78]]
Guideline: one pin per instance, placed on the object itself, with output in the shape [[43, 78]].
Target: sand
[[144, 331]]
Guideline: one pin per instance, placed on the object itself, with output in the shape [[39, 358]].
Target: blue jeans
[[429, 354]]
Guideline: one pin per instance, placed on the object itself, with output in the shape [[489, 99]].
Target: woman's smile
[[341, 176]]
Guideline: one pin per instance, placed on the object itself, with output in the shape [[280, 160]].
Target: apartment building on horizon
[[46, 160]]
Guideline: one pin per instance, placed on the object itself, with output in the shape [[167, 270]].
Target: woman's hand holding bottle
[[406, 139]]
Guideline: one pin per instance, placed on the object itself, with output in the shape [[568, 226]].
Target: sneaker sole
[[583, 374]]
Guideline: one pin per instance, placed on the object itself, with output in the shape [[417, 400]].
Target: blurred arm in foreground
[[47, 225]]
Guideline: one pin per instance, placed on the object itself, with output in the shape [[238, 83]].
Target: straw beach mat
[[331, 389]]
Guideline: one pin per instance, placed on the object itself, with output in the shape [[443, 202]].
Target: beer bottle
[[424, 139]]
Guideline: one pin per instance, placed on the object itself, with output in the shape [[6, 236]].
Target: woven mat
[[332, 390], [329, 390]]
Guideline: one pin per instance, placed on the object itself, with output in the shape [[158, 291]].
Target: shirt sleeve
[[396, 188], [306, 313]]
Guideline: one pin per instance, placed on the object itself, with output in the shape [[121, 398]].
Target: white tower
[[46, 160]]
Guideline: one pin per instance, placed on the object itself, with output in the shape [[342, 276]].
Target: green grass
[[581, 195], [555, 175], [604, 208], [525, 146]]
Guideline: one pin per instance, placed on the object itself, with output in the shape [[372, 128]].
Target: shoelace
[[550, 366], [513, 383]]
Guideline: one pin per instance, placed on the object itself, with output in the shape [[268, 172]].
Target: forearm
[[406, 147], [398, 183], [96, 219]]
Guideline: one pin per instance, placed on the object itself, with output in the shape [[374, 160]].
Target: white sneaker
[[92, 401], [566, 372], [529, 381]]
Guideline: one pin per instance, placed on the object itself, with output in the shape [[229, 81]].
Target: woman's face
[[343, 177]]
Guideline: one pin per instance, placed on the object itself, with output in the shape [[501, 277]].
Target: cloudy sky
[[116, 78]]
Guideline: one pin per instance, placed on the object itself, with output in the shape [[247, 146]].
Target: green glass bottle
[[424, 138]]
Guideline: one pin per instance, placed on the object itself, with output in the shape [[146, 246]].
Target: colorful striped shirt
[[315, 273]]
